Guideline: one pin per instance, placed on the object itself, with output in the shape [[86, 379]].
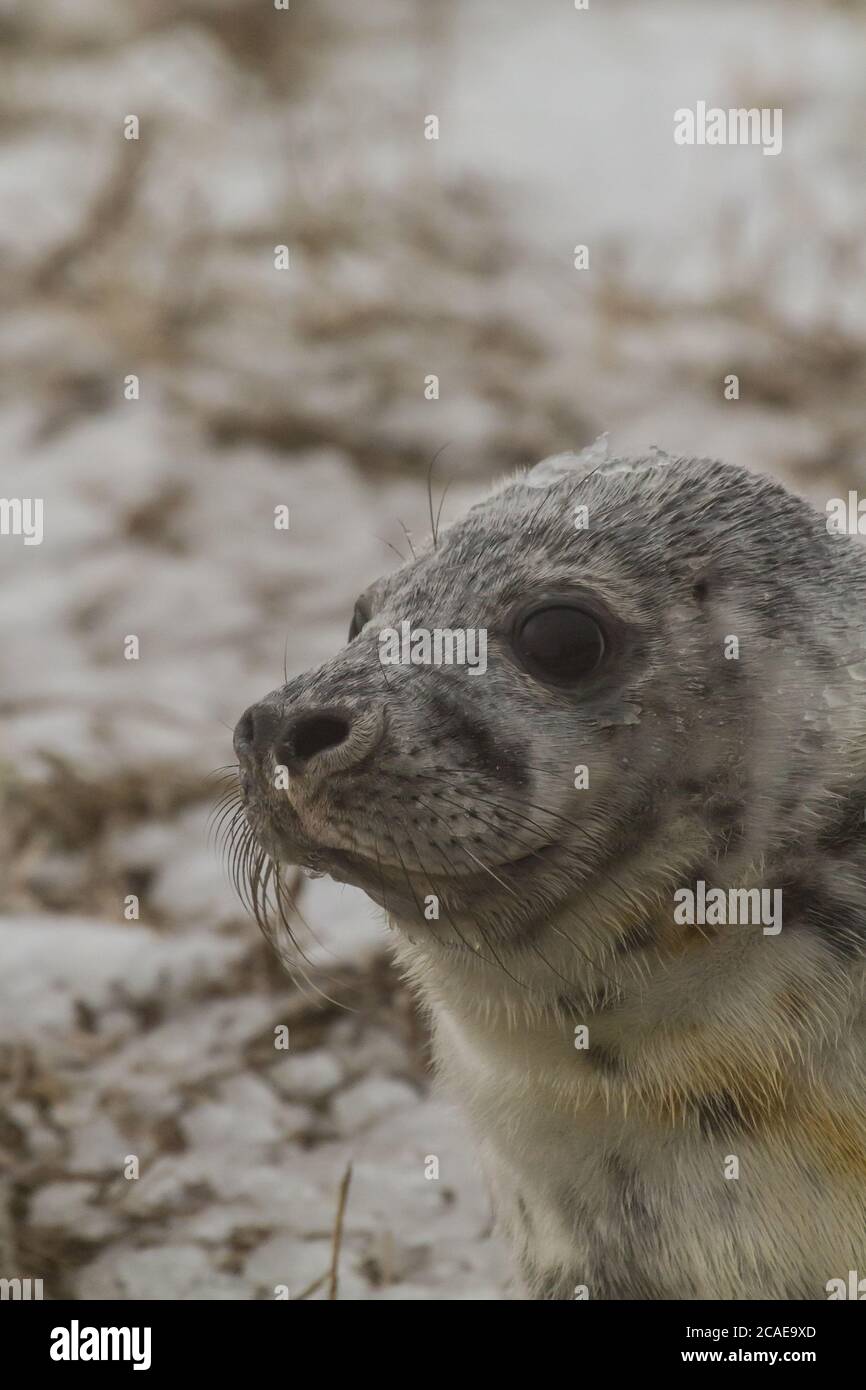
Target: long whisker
[[483, 934], [391, 546], [433, 527], [495, 962], [535, 853], [260, 886], [282, 898], [583, 830], [408, 540], [441, 505]]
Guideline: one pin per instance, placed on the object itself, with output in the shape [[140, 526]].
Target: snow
[[154, 1037]]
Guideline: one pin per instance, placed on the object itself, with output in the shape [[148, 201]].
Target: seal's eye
[[560, 644], [359, 617]]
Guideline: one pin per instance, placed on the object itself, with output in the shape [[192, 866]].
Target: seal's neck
[[614, 997]]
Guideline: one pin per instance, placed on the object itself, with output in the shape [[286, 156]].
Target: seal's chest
[[570, 1205], [595, 1202], [581, 1218]]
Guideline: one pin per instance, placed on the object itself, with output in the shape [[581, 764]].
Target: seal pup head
[[672, 685]]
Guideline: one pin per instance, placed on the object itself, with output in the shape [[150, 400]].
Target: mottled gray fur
[[611, 1164]]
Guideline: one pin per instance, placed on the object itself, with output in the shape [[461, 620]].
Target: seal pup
[[669, 1101]]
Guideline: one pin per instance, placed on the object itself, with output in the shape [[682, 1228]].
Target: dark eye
[[564, 645], [360, 616]]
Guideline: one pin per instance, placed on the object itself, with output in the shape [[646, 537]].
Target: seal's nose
[[256, 731], [292, 739]]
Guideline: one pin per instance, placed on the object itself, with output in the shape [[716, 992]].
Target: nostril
[[308, 734]]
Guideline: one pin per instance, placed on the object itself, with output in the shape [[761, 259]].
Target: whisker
[[391, 546], [441, 505], [433, 527], [534, 853], [439, 898], [260, 886], [482, 933], [409, 541]]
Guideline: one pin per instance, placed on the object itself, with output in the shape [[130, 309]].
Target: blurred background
[[258, 387]]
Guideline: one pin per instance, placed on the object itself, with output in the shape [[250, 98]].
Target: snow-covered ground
[[154, 258]]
